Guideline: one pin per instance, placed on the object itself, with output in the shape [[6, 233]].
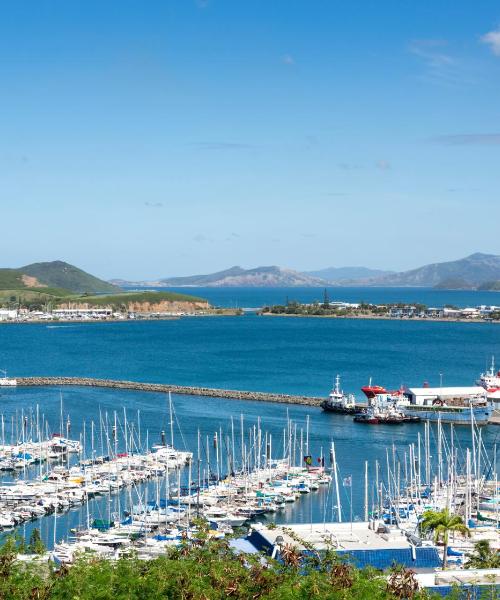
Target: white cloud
[[288, 59], [430, 51], [492, 39]]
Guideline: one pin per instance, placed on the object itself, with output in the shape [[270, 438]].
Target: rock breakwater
[[164, 388]]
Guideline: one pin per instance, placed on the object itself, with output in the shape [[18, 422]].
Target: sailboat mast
[[171, 419]]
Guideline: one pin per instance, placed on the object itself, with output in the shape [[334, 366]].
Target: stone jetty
[[164, 388]]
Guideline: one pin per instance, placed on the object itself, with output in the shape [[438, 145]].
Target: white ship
[[490, 381], [338, 401], [5, 381]]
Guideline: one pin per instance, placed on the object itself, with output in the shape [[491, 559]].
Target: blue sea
[[297, 356]]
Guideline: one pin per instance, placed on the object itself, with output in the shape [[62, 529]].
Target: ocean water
[[258, 297], [275, 354], [298, 356]]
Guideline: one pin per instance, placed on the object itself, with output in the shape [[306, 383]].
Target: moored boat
[[338, 401]]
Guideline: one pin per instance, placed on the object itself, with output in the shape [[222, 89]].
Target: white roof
[[448, 391]]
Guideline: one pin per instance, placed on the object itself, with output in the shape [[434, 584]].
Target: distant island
[[475, 272], [399, 310], [236, 277]]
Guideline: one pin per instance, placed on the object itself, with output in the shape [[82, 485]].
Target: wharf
[[495, 418], [165, 388]]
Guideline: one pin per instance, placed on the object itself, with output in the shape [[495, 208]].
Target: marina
[[128, 501]]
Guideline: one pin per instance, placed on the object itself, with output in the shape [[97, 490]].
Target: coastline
[[381, 318], [223, 312]]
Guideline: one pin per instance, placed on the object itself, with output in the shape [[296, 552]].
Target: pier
[[165, 388]]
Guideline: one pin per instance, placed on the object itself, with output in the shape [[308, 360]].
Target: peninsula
[[61, 292], [364, 310]]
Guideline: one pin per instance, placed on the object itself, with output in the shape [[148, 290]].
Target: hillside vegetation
[[59, 274], [42, 286], [11, 279], [141, 297]]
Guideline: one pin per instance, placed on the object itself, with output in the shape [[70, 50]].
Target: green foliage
[[147, 296], [442, 523], [202, 571], [60, 274], [36, 546], [11, 279], [483, 557]]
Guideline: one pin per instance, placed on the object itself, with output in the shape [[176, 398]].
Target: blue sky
[[145, 139]]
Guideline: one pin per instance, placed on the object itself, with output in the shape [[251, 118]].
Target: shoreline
[[381, 318], [223, 313]]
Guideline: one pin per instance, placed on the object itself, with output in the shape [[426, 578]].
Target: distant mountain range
[[467, 273], [477, 271], [236, 277], [334, 274], [54, 275]]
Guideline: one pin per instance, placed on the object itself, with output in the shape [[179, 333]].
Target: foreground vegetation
[[205, 571], [211, 570]]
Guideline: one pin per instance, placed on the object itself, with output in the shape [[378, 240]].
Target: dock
[[495, 418], [165, 388]]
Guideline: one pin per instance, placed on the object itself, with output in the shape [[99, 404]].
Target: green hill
[[149, 296], [59, 274], [11, 279]]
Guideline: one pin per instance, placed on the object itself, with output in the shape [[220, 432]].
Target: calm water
[[292, 355], [257, 297], [249, 352]]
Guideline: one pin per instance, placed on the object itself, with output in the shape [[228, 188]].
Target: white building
[[425, 396], [8, 315]]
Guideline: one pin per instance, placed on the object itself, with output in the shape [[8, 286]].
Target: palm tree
[[443, 522], [483, 557]]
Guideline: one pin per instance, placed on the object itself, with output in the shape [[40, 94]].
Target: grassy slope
[[11, 279], [28, 294], [149, 296], [59, 274]]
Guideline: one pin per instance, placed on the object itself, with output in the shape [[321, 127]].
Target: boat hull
[[456, 416], [342, 410]]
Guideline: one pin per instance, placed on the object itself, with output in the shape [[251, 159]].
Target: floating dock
[[165, 388]]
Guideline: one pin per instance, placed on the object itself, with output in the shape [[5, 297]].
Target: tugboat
[[367, 418], [339, 402], [5, 381], [490, 381], [384, 415]]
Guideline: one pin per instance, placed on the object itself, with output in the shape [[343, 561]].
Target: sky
[[148, 139]]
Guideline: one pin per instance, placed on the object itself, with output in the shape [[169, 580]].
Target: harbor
[[95, 501], [114, 480], [380, 405]]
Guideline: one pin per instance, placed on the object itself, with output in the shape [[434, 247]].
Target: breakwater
[[165, 388]]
